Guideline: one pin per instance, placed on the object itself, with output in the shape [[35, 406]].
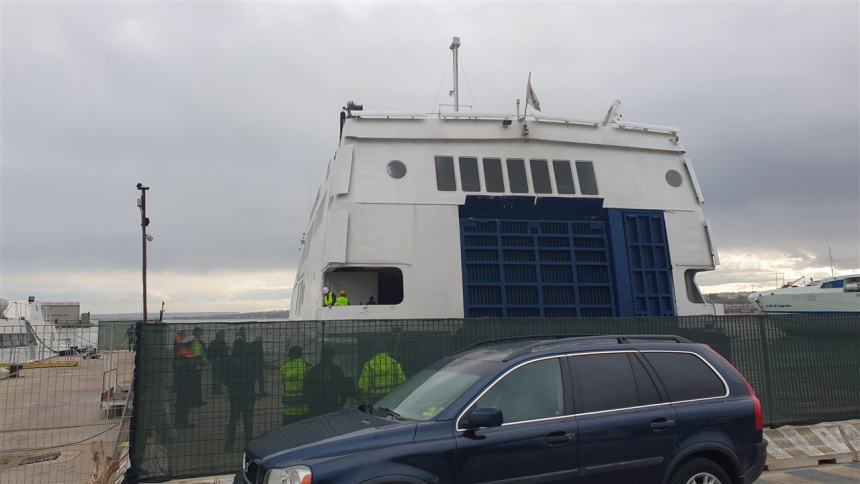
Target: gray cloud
[[228, 109]]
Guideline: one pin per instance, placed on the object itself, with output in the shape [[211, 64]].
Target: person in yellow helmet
[[293, 373], [342, 299], [328, 297], [380, 375]]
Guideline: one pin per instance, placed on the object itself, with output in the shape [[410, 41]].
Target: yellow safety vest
[[380, 375], [341, 301], [293, 377], [328, 299], [197, 350]]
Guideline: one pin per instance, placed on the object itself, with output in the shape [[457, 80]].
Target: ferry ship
[[462, 214], [837, 294]]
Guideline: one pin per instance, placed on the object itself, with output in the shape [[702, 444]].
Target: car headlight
[[289, 475]]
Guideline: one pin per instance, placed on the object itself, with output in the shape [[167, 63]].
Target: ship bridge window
[[587, 181], [852, 284], [517, 176], [470, 181], [833, 284], [563, 177], [493, 175], [383, 284], [445, 181], [540, 176]]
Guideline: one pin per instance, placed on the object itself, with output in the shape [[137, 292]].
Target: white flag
[[531, 97]]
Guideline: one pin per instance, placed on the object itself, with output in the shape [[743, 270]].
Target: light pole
[[144, 222]]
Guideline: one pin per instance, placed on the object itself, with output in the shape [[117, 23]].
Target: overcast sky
[[228, 110]]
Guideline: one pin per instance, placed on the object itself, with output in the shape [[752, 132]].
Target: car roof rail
[[542, 337], [619, 339]]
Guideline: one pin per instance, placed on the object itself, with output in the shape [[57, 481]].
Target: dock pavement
[[53, 428]]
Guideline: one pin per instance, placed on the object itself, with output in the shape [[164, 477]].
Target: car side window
[[611, 381], [532, 391], [685, 376]]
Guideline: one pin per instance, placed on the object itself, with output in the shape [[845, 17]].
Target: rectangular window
[[563, 177], [592, 374], [517, 176], [585, 173], [530, 392], [540, 176], [470, 181], [833, 284], [445, 181], [493, 175], [686, 376]]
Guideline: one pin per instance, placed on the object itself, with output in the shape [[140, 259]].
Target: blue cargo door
[[642, 263], [527, 257]]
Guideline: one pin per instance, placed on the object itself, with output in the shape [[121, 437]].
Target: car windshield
[[432, 389]]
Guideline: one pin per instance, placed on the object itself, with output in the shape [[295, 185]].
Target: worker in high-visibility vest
[[380, 375], [328, 297], [293, 372], [183, 376], [342, 299], [198, 351]]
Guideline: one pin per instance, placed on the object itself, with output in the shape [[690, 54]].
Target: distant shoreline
[[273, 314]]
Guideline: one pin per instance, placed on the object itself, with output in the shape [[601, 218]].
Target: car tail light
[[759, 413]]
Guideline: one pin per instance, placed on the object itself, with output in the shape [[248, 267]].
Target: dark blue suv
[[607, 409]]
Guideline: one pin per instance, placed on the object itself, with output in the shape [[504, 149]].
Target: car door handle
[[558, 438], [661, 424]]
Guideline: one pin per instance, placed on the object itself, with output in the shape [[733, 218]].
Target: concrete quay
[[53, 424]]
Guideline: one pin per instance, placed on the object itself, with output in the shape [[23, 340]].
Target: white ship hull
[[810, 303], [831, 295]]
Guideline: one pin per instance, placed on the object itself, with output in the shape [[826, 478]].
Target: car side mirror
[[483, 417]]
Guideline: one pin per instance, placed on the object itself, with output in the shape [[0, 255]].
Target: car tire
[[700, 471]]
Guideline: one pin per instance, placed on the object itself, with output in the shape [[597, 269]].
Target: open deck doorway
[[383, 284]]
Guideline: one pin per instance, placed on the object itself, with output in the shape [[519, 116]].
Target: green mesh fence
[[196, 404], [116, 335]]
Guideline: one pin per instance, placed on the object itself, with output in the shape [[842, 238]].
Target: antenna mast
[[455, 45]]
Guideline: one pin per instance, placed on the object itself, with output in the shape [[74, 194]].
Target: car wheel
[[700, 471]]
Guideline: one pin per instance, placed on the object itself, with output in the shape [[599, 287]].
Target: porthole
[[674, 178], [396, 169]]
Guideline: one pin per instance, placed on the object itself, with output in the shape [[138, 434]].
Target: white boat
[[464, 214], [25, 336], [839, 294]]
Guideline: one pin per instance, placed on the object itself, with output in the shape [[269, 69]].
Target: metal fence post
[[133, 450], [768, 377]]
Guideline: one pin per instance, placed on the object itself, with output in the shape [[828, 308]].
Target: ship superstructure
[[25, 336], [452, 215], [469, 215]]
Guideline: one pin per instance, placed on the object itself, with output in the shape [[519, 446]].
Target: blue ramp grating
[[642, 263], [536, 257]]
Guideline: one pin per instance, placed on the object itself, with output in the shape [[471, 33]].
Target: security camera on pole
[[144, 222]]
